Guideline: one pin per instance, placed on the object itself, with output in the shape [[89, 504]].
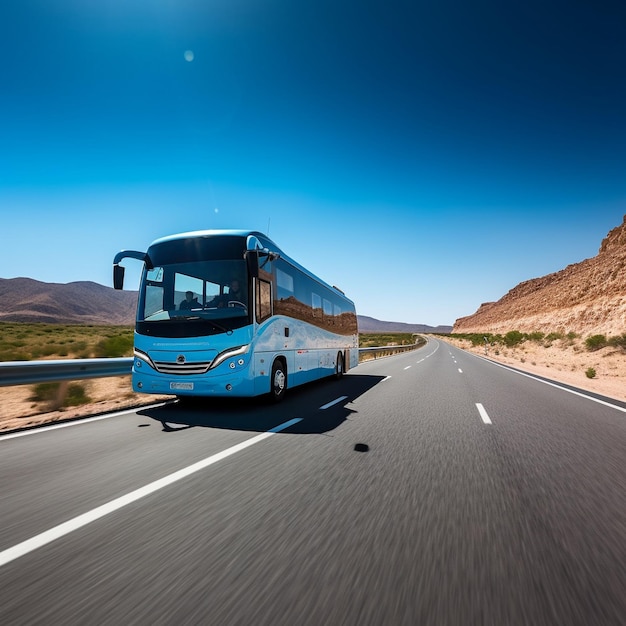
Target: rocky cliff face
[[586, 298]]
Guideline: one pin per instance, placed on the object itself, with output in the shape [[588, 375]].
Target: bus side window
[[263, 300], [284, 282], [316, 301], [328, 312]]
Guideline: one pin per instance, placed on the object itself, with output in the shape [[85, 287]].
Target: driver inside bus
[[190, 302], [235, 293]]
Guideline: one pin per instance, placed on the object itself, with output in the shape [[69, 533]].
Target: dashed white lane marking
[[408, 367], [460, 371], [6, 556], [483, 413], [327, 406]]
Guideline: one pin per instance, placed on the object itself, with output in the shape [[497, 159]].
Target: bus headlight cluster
[[141, 358], [228, 354]]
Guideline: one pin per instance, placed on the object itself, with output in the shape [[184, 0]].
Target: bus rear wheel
[[339, 369], [278, 381]]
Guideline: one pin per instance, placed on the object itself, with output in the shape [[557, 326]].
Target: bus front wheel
[[278, 381]]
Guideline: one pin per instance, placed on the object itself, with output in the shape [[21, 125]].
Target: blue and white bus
[[227, 313]]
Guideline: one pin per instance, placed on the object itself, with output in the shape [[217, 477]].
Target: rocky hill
[[586, 298], [28, 300], [372, 325]]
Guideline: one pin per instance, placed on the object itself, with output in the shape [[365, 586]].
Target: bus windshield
[[206, 297]]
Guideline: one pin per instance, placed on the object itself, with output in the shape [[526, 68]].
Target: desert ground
[[565, 361], [19, 411]]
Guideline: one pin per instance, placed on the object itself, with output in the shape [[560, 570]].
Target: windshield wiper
[[198, 318]]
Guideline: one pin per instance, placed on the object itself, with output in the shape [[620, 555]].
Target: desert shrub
[[477, 339], [116, 346], [595, 342], [550, 337], [45, 392], [537, 336], [619, 341], [44, 350], [80, 347], [590, 373], [76, 395], [9, 354], [48, 392], [513, 338]]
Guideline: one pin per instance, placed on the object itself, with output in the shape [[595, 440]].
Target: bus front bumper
[[144, 382]]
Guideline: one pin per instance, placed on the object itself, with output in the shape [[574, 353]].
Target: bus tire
[[278, 380], [339, 367]]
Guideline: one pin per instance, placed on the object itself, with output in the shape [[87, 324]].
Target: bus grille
[[167, 367]]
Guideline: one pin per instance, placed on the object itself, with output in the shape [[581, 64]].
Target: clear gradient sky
[[425, 156]]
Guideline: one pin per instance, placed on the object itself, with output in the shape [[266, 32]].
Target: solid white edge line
[[35, 430], [23, 548], [327, 406], [557, 386], [483, 413]]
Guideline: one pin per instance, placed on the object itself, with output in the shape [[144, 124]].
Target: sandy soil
[[19, 411], [563, 361]]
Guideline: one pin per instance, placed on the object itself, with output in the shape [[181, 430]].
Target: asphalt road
[[431, 487]]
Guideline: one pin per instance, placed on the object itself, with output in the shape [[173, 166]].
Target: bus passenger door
[[263, 297]]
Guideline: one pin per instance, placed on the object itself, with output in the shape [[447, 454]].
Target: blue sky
[[424, 156]]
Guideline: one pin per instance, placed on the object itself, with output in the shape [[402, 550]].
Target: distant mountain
[[371, 325], [28, 300], [586, 298]]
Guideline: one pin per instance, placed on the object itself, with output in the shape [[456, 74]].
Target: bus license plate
[[185, 386]]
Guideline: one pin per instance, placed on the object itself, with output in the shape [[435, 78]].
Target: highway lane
[[445, 519]]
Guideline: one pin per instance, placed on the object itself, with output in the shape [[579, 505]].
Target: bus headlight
[[227, 354], [141, 357]]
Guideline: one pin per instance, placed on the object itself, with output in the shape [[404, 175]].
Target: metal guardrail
[[32, 372]]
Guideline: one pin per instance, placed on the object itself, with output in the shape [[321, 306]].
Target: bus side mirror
[[252, 261], [118, 276]]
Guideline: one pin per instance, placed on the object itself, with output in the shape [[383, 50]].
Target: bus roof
[[264, 239], [212, 233]]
